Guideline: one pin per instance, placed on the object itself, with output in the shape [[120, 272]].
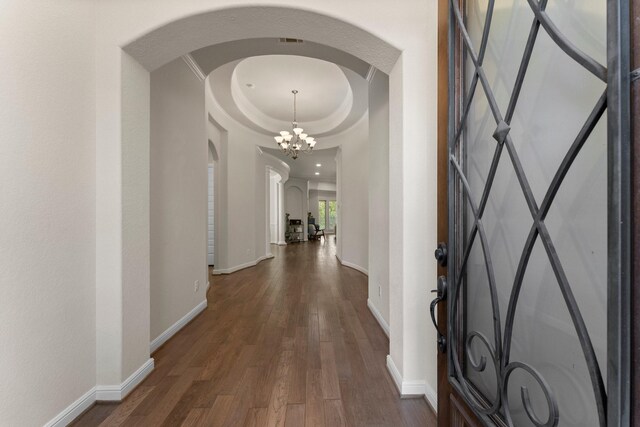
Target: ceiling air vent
[[289, 40]]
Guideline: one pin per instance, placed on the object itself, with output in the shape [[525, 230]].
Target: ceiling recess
[[290, 40]]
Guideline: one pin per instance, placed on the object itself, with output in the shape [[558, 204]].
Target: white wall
[[235, 185], [266, 164], [179, 159], [241, 185], [322, 186], [294, 202], [211, 195], [273, 207], [218, 141], [338, 230], [47, 208], [379, 194], [210, 214], [353, 226]]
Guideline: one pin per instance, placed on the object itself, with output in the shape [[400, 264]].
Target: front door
[[534, 161]]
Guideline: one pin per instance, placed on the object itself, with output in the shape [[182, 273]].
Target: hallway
[[288, 342]]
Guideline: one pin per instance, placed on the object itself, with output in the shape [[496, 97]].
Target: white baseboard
[[405, 388], [241, 266], [173, 329], [118, 392], [282, 243], [74, 410], [383, 324], [431, 397], [352, 265], [101, 393]]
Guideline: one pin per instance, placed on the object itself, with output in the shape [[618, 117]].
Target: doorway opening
[[407, 64], [213, 157]]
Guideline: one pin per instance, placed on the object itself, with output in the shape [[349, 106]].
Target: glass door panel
[[322, 214], [528, 211], [332, 214]]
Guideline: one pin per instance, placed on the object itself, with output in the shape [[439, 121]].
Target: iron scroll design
[[499, 350]]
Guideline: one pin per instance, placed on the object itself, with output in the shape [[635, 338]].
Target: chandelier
[[299, 142]]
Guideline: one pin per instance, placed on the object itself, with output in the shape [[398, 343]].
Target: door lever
[[441, 295]]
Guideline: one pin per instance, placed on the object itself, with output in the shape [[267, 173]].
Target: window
[[332, 215], [327, 215], [322, 208]]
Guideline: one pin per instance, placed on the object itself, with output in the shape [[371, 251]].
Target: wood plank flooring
[[289, 342]]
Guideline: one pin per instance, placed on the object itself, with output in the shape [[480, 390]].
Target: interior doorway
[[211, 205], [275, 210], [408, 64]]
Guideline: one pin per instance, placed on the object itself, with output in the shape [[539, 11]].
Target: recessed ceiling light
[[251, 85], [317, 173], [318, 165]]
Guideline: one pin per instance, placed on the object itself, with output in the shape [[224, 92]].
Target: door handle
[[441, 295]]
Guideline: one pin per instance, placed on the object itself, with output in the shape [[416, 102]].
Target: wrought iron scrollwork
[[499, 350], [552, 404]]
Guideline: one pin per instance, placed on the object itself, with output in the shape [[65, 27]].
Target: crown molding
[[194, 66], [371, 73]]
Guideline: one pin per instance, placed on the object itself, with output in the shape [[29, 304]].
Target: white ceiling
[[227, 90], [322, 86], [305, 166], [332, 98]]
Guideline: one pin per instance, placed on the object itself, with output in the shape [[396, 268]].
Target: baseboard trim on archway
[[431, 397], [241, 266], [410, 389], [173, 329], [378, 316], [406, 389], [101, 393], [116, 393], [353, 266], [73, 411]]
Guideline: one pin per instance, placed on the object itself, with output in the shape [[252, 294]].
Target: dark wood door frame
[[443, 81], [443, 227], [635, 192]]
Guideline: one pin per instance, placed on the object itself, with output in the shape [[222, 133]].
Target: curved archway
[[122, 224], [211, 57], [211, 204], [188, 34]]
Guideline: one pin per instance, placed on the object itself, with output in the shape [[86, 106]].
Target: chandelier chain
[[295, 95]]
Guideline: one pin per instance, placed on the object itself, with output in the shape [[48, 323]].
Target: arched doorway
[[122, 261]]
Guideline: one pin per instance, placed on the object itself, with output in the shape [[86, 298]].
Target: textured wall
[[354, 199], [379, 194], [178, 194], [47, 208]]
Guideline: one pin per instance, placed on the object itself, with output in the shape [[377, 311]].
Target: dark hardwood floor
[[288, 342]]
